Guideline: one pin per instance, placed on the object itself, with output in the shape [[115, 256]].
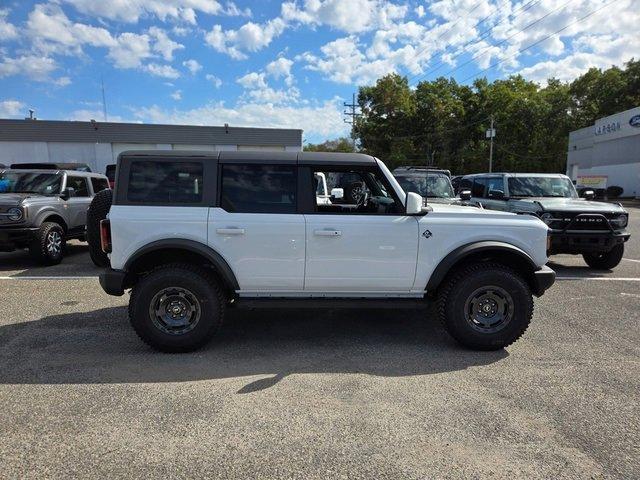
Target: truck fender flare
[[464, 251], [219, 263]]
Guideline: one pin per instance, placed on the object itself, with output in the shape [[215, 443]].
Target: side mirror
[[588, 194], [68, 193], [497, 194], [465, 195], [414, 204], [337, 193]]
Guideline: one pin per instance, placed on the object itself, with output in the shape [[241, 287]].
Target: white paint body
[[320, 255]]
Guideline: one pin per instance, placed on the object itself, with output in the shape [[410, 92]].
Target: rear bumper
[[585, 242], [542, 280], [113, 282], [16, 237]]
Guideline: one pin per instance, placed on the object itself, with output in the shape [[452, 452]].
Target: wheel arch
[[494, 251], [50, 216], [181, 250]]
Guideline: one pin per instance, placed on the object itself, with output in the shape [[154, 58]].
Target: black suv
[[596, 230]]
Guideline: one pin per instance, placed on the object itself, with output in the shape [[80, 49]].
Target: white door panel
[[360, 253], [265, 251]]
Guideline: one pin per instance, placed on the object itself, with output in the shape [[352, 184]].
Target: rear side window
[[99, 184], [79, 184], [258, 188], [153, 181]]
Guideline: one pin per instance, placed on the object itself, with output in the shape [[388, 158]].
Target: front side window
[[258, 188], [353, 192], [79, 184], [541, 187], [152, 181], [30, 182], [479, 188]]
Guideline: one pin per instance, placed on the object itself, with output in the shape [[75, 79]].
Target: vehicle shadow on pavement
[[76, 261], [100, 347], [581, 271]]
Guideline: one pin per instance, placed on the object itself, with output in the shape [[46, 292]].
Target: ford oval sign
[[635, 121]]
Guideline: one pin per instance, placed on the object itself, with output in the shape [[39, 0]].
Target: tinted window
[[152, 181], [99, 184], [23, 182], [258, 189], [541, 187], [479, 187], [79, 184], [495, 183]]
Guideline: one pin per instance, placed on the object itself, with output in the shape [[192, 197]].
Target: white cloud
[[34, 67], [133, 10], [323, 120], [163, 44], [281, 68], [351, 16], [177, 95], [84, 115], [192, 65], [7, 30], [62, 81], [234, 11], [164, 71], [217, 82], [130, 50], [250, 37], [11, 108], [420, 11]]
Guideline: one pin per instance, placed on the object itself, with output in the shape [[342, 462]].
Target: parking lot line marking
[[631, 260], [35, 277], [602, 279]]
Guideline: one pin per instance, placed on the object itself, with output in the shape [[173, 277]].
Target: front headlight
[[14, 214], [620, 221]]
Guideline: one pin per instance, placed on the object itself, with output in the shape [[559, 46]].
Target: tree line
[[443, 123]]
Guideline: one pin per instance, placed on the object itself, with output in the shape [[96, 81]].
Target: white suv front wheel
[[485, 306], [176, 308]]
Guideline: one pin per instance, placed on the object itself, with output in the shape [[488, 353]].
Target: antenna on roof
[[104, 101], [31, 117]]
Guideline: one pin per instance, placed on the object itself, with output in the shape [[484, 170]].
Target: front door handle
[[230, 231], [327, 233]]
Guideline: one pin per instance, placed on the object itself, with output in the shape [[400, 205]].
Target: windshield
[[541, 187], [30, 182], [434, 186]]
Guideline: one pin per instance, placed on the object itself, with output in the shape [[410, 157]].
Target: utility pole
[[491, 133], [104, 101], [352, 106]]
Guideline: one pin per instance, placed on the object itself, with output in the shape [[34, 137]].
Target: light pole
[[491, 133]]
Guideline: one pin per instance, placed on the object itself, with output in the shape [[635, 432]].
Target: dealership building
[[608, 153], [98, 144]]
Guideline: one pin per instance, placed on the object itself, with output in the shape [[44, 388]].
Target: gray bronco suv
[[41, 209], [595, 230]]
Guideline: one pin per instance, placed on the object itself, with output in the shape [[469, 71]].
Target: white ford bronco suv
[[192, 234]]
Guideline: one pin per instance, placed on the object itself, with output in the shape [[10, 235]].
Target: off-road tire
[[194, 279], [98, 210], [41, 249], [605, 260], [457, 290]]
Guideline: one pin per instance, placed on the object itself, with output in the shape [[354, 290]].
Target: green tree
[[342, 144]]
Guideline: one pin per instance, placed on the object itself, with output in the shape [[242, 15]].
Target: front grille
[[589, 222]]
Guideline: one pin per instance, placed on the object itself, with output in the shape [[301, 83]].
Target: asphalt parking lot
[[318, 394]]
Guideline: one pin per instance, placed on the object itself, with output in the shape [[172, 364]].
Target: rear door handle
[[327, 233], [230, 231]]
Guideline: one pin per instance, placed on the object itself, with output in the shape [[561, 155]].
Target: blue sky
[[283, 64]]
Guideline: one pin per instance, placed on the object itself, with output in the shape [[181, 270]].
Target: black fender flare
[[464, 251], [219, 263]]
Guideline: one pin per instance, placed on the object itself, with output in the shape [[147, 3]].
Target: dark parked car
[[595, 230], [80, 167], [433, 184]]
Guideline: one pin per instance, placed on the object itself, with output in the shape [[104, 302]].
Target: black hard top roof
[[301, 158], [507, 174]]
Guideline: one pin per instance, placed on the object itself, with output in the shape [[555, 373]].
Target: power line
[[540, 41], [477, 4], [486, 49], [484, 34]]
